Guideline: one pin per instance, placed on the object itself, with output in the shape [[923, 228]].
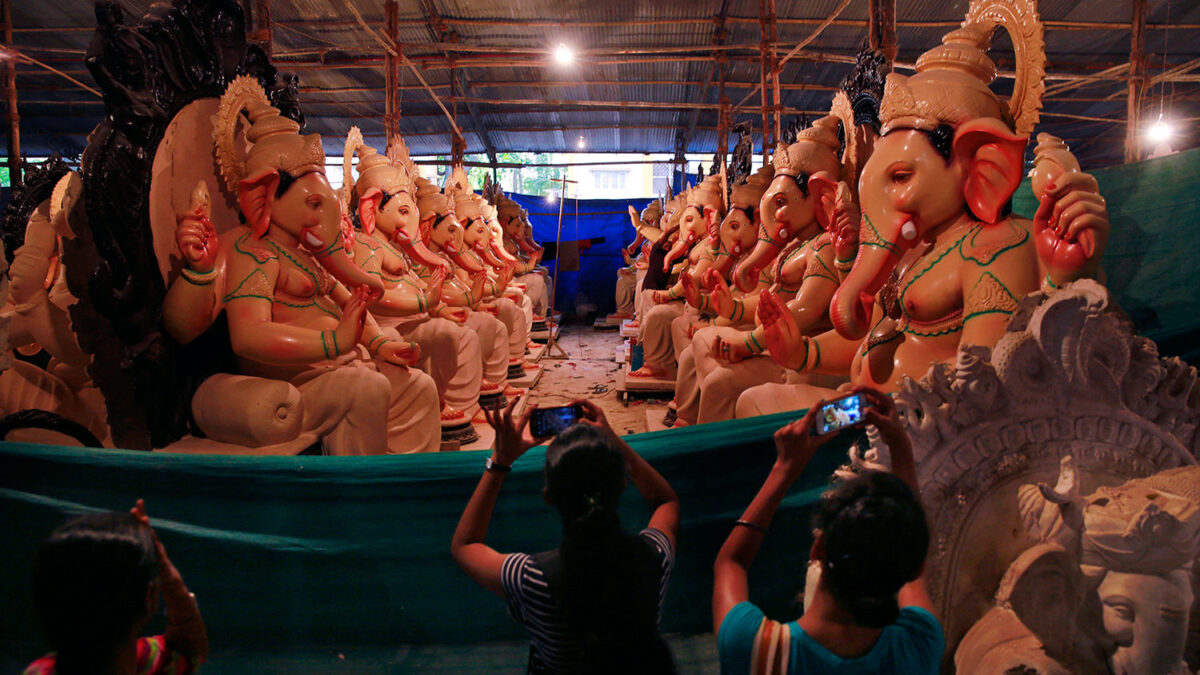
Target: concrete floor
[[590, 372]]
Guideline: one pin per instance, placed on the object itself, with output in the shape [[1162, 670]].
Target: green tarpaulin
[[353, 552]]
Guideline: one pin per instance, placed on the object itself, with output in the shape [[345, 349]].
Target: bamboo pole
[[796, 51], [262, 25], [883, 28], [1137, 82], [391, 74], [10, 98]]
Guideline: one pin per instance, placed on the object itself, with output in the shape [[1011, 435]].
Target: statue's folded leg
[[766, 399], [459, 360], [536, 289], [721, 389], [655, 333], [439, 344], [518, 327], [687, 388], [414, 422], [679, 329], [493, 344], [347, 407], [626, 289]]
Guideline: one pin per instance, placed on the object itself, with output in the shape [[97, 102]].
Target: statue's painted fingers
[[1072, 219]]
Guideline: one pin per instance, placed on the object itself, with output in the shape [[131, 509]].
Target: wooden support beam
[[718, 39], [10, 97], [437, 27], [883, 29], [391, 74], [261, 32], [1137, 82]]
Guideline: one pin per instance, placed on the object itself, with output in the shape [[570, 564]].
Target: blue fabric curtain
[[585, 219]]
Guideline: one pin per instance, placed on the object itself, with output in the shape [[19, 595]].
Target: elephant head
[[281, 184], [950, 150], [790, 204], [704, 210], [439, 225], [739, 229]]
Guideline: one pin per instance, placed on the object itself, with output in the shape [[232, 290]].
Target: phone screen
[[839, 414], [552, 421]]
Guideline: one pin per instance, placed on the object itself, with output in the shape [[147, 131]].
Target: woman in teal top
[[870, 610]]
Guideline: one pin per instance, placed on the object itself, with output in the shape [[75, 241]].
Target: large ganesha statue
[[942, 263]]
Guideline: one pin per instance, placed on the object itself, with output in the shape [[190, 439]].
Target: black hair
[[286, 180], [387, 197], [876, 539], [90, 583], [942, 139], [610, 578], [748, 210], [801, 182]]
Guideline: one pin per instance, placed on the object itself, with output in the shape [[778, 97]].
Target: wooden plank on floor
[[646, 384]]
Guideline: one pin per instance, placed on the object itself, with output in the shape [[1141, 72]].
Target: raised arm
[[186, 632], [795, 445], [658, 493], [882, 415], [480, 561]]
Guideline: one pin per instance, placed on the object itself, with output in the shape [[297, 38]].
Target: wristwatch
[[489, 465]]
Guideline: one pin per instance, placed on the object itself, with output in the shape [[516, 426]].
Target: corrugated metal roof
[[523, 104]]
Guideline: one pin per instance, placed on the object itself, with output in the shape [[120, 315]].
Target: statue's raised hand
[[433, 285], [691, 292], [846, 220], [788, 346], [719, 294], [195, 234], [1071, 227], [350, 326]]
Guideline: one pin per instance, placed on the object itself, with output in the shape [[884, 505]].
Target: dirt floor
[[590, 372]]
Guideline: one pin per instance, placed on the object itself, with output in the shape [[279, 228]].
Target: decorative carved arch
[[180, 52], [1068, 378]]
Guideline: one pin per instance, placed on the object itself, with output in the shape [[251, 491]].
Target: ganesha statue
[[941, 262], [1108, 587], [294, 299]]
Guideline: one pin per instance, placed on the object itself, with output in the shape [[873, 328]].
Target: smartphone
[[840, 413], [552, 421]]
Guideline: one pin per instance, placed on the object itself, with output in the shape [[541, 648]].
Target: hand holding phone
[[553, 421], [840, 413]]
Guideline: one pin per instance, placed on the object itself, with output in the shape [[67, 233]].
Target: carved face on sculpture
[[739, 229], [476, 233], [1146, 615]]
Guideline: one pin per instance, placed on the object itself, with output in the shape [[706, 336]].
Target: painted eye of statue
[[314, 202], [780, 201], [404, 210], [1173, 614], [901, 176]]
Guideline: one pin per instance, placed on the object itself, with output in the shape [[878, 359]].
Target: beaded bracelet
[[199, 278]]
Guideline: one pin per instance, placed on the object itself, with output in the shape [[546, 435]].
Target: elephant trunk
[[466, 262], [420, 253], [745, 276], [722, 265], [850, 310], [680, 249], [340, 263]]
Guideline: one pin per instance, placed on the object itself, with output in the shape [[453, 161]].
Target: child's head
[[584, 473], [92, 583], [874, 540]]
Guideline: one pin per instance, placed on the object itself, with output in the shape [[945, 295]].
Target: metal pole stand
[[552, 341]]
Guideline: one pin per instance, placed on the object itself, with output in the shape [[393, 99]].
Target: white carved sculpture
[[1068, 379]]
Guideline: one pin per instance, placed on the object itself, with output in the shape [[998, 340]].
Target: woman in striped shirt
[[593, 604]]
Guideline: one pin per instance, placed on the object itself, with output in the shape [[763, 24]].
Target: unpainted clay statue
[[1108, 586], [295, 300], [940, 263]]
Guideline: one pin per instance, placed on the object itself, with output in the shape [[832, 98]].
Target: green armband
[[1049, 282], [752, 344], [672, 294]]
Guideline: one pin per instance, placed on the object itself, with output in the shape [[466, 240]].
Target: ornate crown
[[751, 191], [275, 140], [816, 149], [707, 193], [430, 200], [951, 84]]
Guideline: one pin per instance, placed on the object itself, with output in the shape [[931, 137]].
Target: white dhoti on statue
[[654, 333], [493, 343], [799, 392], [514, 319], [538, 290], [626, 293], [450, 353]]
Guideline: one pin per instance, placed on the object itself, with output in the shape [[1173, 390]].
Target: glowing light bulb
[[564, 55], [551, 197], [1160, 132], [580, 144]]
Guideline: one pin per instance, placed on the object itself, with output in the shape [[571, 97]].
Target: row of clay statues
[[878, 243], [381, 336]]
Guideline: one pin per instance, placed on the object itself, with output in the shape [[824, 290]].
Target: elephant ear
[[256, 194], [425, 230], [823, 186], [368, 208], [990, 156]]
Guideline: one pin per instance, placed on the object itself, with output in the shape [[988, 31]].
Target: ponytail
[[610, 578]]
